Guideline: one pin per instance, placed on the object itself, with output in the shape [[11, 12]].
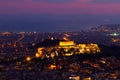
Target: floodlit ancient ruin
[[67, 48]]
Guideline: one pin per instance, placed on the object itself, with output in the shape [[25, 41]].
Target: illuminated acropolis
[[67, 48], [66, 43]]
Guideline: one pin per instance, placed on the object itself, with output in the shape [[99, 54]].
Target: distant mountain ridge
[[112, 26], [107, 27]]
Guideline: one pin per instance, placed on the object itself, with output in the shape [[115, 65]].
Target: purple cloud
[[11, 0], [105, 1], [55, 1]]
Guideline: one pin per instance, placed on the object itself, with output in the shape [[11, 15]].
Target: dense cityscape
[[59, 39], [83, 55]]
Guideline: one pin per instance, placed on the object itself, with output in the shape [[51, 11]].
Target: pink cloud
[[78, 7]]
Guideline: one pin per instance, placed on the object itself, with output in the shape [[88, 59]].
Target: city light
[[52, 38], [37, 55], [113, 34], [28, 58], [52, 67]]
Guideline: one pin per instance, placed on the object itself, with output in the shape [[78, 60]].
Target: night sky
[[57, 15]]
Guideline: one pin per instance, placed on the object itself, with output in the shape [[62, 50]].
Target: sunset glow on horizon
[[61, 15]]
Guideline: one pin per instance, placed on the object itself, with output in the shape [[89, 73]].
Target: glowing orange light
[[37, 55], [28, 58], [66, 43]]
